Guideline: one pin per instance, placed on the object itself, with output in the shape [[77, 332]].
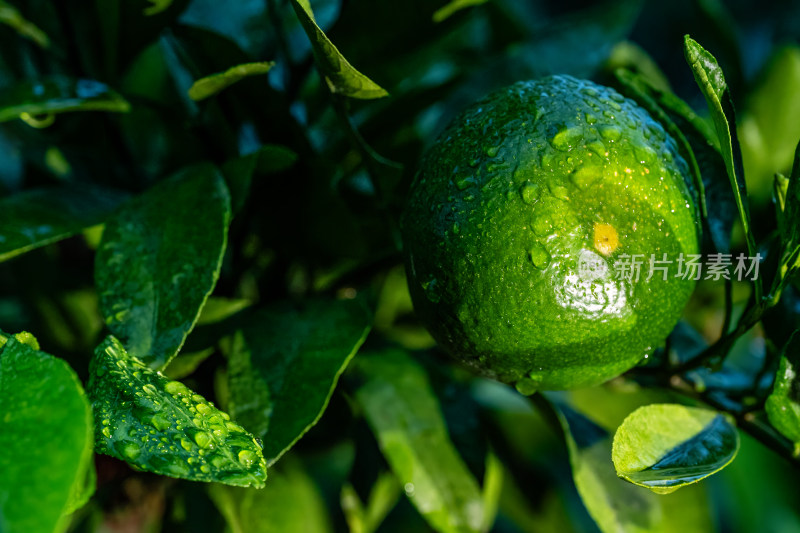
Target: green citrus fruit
[[523, 226]]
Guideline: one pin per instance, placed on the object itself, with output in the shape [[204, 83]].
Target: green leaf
[[11, 17], [341, 76], [382, 499], [57, 94], [83, 489], [211, 85], [783, 404], [239, 172], [790, 222], [156, 7], [709, 77], [159, 259], [454, 6], [614, 505], [46, 438], [32, 219], [405, 416], [284, 365], [161, 426], [666, 446], [289, 503], [186, 362]]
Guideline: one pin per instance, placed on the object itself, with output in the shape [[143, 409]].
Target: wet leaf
[[783, 404], [284, 365], [667, 446], [211, 85], [615, 505], [35, 218], [405, 417], [341, 76], [289, 503], [56, 94], [159, 259], [11, 17], [162, 426], [46, 438], [710, 79]]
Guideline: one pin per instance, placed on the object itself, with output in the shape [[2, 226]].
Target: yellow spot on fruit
[[606, 239]]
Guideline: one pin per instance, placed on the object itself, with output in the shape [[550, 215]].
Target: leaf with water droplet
[[46, 437], [39, 217], [341, 76], [783, 404], [58, 94], [406, 418], [284, 364], [159, 259], [168, 429], [664, 447]]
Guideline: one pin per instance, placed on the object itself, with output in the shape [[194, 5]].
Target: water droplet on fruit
[[539, 256], [585, 175], [566, 138], [597, 148], [557, 189], [529, 192], [610, 133]]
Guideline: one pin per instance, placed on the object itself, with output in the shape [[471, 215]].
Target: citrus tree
[[463, 266]]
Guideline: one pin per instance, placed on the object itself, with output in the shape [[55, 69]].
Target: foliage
[[199, 207]]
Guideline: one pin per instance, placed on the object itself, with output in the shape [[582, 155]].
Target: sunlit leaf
[[46, 438], [405, 416], [35, 218], [10, 16], [284, 365], [666, 446], [341, 76], [162, 426], [289, 503], [710, 79], [159, 260], [57, 94], [211, 85], [615, 505], [783, 404], [449, 9]]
